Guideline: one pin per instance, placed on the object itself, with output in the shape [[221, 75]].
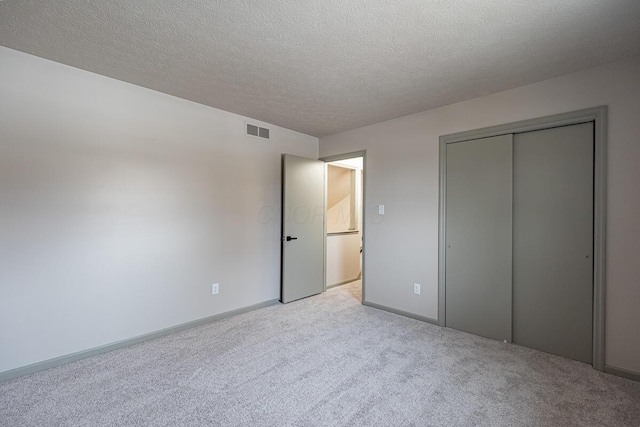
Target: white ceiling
[[324, 66]]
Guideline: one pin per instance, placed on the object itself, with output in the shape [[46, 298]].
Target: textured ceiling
[[324, 66]]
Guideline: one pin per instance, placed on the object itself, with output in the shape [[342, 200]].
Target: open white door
[[303, 218]]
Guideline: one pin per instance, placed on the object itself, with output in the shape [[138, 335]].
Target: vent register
[[253, 130]]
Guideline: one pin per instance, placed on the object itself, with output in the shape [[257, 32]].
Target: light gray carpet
[[323, 361]]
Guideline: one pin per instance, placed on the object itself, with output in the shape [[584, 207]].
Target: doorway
[[318, 253], [344, 223]]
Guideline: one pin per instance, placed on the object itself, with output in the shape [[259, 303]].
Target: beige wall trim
[[344, 282], [342, 233]]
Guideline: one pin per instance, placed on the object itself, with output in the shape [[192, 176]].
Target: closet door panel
[[553, 241], [478, 236]]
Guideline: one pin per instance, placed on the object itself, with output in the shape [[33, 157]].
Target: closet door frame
[[597, 115]]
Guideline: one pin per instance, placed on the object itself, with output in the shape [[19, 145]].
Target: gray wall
[[402, 174], [119, 206]]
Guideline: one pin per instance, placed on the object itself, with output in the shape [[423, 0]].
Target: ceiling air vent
[[253, 130]]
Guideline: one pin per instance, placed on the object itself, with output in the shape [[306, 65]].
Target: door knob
[[289, 238]]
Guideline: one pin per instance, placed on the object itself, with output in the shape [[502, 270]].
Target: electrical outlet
[[416, 288], [380, 209], [215, 288]]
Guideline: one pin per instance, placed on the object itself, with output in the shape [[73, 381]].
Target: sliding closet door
[[478, 236], [553, 241]]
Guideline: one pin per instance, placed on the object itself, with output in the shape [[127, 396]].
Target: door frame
[[346, 156], [597, 115]]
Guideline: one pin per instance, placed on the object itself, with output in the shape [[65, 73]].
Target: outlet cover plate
[[215, 288], [416, 288]]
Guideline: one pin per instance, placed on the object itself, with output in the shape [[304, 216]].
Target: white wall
[[402, 174], [343, 258], [119, 206], [338, 216]]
